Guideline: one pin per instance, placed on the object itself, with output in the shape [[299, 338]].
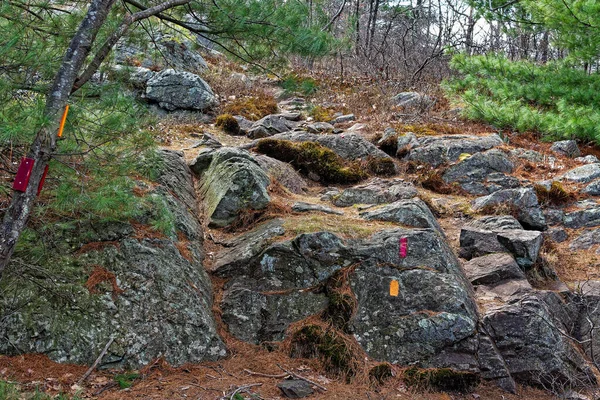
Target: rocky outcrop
[[437, 150], [483, 173], [151, 295], [481, 239], [230, 181], [350, 146], [376, 191], [271, 125], [174, 90], [410, 212], [523, 202]]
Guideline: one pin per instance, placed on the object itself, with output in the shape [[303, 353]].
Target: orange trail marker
[[63, 120], [394, 288]]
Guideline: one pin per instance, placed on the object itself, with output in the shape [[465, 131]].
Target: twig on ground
[[323, 388], [266, 375], [95, 364]]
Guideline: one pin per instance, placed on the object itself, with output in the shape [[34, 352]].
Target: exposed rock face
[[161, 307], [523, 200], [376, 191], [320, 127], [301, 206], [529, 335], [437, 150], [351, 146], [231, 181], [180, 90], [270, 125], [482, 173]]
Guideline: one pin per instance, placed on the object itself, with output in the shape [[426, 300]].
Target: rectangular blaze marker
[[63, 120], [403, 247], [41, 185], [23, 173], [394, 288]]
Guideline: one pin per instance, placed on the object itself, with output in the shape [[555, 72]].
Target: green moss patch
[[228, 124], [311, 157]]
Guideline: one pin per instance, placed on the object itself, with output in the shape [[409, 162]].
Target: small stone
[[295, 388], [307, 207], [568, 148], [344, 118]]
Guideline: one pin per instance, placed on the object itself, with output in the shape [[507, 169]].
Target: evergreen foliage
[[554, 99]]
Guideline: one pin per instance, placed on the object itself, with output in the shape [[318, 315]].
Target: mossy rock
[[228, 124], [313, 158]]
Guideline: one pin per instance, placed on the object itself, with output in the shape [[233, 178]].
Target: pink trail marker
[[403, 247]]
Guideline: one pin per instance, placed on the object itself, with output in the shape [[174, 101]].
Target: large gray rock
[[410, 212], [529, 335], [568, 148], [270, 125], [232, 182], [376, 191], [301, 206], [492, 268], [154, 299], [433, 315], [295, 388], [587, 299], [523, 245], [437, 150], [496, 223], [584, 174], [179, 55], [351, 146], [523, 202], [472, 173], [180, 90]]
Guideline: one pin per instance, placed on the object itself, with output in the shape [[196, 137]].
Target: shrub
[[556, 195], [381, 166], [296, 84], [554, 99], [314, 341], [228, 123], [321, 114], [311, 157]]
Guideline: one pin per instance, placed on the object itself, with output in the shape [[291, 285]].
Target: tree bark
[[44, 144], [65, 82]]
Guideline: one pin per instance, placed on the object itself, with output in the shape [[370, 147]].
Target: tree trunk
[[44, 144]]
